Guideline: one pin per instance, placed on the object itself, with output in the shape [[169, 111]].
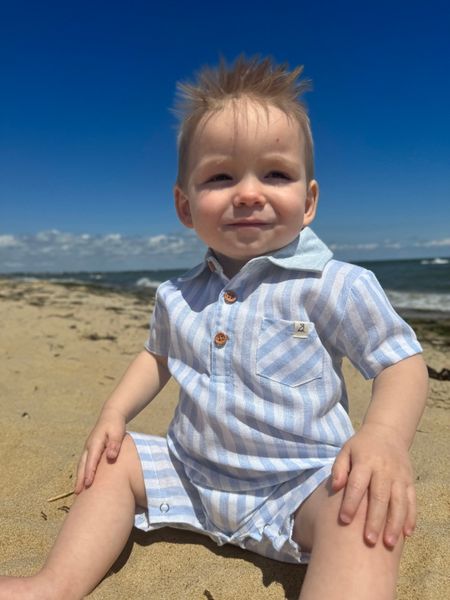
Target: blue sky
[[87, 140]]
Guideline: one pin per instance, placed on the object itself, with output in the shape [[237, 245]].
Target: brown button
[[211, 266], [230, 297], [220, 339]]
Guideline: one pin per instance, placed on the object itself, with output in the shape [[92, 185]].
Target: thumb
[[341, 469], [114, 444]]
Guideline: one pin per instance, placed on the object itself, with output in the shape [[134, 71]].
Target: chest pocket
[[289, 352]]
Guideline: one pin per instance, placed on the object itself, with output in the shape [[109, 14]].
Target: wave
[[75, 280], [27, 279], [420, 300], [145, 282], [435, 261]]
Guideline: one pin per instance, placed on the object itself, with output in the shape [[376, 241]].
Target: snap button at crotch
[[164, 507]]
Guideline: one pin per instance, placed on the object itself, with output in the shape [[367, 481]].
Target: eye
[[278, 175], [218, 177]]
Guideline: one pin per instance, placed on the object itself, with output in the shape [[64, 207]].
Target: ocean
[[411, 285]]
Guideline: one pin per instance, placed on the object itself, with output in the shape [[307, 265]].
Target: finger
[[93, 458], [410, 521], [113, 446], [340, 470], [358, 482], [379, 496], [396, 515], [79, 484]]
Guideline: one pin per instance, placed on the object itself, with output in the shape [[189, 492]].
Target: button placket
[[221, 338], [222, 334]]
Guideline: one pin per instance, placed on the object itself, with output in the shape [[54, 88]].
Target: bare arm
[[142, 381], [376, 459], [399, 394]]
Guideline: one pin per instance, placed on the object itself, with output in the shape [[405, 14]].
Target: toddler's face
[[246, 194]]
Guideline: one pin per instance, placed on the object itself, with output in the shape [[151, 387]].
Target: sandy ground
[[62, 349]]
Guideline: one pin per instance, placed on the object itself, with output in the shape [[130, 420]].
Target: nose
[[249, 193]]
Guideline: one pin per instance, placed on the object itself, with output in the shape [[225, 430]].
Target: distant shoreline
[[412, 314], [421, 319]]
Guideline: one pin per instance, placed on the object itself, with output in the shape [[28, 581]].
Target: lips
[[247, 223]]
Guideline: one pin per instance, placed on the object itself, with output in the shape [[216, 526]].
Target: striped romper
[[262, 411]]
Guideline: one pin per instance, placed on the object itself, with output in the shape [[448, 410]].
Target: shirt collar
[[306, 253]]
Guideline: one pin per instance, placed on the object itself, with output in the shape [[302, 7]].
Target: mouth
[[248, 223]]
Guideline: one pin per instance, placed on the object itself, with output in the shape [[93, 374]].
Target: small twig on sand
[[61, 496], [442, 375]]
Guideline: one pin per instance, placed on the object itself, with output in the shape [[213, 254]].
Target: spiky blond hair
[[255, 79]]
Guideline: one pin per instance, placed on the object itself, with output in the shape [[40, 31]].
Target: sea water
[[419, 284]]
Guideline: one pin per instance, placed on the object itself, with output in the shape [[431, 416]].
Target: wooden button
[[230, 296], [220, 339]]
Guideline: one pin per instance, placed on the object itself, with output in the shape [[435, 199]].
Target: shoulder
[[348, 275], [344, 275], [343, 269], [184, 281], [346, 286]]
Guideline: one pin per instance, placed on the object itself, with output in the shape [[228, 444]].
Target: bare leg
[[343, 565], [92, 536]]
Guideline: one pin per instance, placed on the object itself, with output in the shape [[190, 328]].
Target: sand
[[62, 348]]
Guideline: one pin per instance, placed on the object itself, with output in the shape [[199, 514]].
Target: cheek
[[207, 207], [293, 210]]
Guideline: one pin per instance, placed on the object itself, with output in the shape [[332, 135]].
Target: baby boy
[[261, 452]]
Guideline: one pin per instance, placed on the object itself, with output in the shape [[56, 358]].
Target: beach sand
[[62, 348]]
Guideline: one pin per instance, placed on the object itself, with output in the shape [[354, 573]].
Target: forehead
[[242, 122]]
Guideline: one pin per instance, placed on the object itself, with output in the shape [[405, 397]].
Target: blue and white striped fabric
[[265, 403]]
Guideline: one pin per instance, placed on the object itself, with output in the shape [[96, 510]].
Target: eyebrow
[[214, 161], [281, 160], [220, 159]]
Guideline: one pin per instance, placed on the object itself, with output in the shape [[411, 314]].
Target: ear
[[182, 207], [312, 198]]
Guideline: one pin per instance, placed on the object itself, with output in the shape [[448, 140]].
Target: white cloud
[[433, 243], [54, 250], [9, 241], [338, 247], [47, 236], [112, 237], [156, 240], [389, 245], [390, 249]]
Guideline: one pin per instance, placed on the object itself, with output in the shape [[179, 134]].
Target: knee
[[133, 469], [126, 468], [128, 447], [126, 456], [321, 512]]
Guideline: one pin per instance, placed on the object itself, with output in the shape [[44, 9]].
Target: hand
[[107, 436], [376, 461]]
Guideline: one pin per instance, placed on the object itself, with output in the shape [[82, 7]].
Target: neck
[[230, 266]]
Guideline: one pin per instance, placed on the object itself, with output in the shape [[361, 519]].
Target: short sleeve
[[159, 337], [371, 334]]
